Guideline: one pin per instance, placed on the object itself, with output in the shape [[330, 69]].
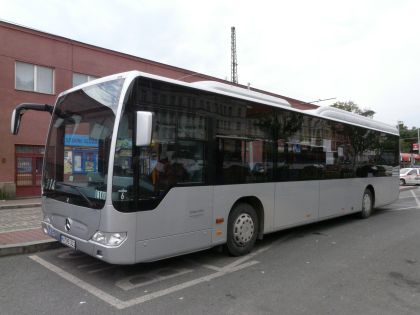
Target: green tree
[[350, 106], [407, 137]]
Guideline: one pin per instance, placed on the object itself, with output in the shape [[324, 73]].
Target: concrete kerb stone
[[29, 247], [19, 206]]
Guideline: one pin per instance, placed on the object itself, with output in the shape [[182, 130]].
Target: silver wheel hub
[[367, 203], [243, 229]]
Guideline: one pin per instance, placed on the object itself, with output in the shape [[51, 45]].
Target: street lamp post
[[399, 122], [418, 144]]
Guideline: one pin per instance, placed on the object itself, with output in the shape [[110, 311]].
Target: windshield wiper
[[90, 203]]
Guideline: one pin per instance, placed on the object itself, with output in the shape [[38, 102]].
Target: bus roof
[[351, 118], [327, 112]]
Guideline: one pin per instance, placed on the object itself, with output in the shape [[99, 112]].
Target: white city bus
[[139, 167]]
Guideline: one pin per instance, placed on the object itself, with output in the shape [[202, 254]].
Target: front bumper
[[122, 254]]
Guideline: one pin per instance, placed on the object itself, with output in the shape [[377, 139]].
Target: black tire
[[402, 182], [242, 230], [367, 204]]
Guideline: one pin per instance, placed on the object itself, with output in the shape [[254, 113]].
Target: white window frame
[[35, 89], [89, 77]]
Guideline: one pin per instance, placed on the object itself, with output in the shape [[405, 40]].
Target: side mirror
[[15, 122], [20, 110], [144, 123]]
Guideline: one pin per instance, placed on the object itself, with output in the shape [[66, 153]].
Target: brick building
[[35, 67]]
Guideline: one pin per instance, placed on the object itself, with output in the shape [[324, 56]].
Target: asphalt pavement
[[342, 266]]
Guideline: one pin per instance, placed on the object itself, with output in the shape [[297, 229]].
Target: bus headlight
[[46, 220], [109, 239]]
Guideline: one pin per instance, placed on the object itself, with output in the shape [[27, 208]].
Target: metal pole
[[418, 143]]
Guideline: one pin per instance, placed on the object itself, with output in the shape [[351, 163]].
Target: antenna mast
[[234, 61]]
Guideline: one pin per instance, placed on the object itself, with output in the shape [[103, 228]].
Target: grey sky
[[364, 51]]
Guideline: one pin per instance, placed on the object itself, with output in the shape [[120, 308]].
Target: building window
[[34, 78], [79, 78]]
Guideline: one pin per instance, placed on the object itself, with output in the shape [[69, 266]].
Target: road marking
[[80, 283], [415, 197], [247, 257], [207, 266], [126, 284], [413, 207], [119, 304], [185, 285]]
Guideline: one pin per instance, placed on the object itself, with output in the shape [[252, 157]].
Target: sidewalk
[[20, 227]]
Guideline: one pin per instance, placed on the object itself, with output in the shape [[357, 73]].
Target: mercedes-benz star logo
[[67, 225]]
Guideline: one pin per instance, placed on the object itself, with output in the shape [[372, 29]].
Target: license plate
[[68, 241]]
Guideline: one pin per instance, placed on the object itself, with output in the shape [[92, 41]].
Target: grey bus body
[[139, 167]]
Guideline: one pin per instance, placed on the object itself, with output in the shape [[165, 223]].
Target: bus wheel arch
[[368, 202], [245, 225]]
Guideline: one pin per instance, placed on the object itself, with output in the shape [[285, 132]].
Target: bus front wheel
[[242, 230], [367, 204]]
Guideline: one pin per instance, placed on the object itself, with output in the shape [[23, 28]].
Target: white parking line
[[185, 285], [247, 257], [195, 263], [80, 283], [126, 283], [120, 304], [415, 197]]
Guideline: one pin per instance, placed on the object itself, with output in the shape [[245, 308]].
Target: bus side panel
[[181, 223], [296, 203], [226, 196], [341, 196], [387, 190], [169, 246]]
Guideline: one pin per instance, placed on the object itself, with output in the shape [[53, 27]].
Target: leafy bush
[[4, 195]]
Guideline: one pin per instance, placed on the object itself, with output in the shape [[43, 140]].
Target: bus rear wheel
[[367, 204], [242, 230]]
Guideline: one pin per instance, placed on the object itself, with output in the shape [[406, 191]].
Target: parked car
[[409, 176]]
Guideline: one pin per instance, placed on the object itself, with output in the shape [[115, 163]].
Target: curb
[[29, 247], [20, 206]]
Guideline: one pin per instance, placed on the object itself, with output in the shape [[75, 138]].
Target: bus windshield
[[78, 145]]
